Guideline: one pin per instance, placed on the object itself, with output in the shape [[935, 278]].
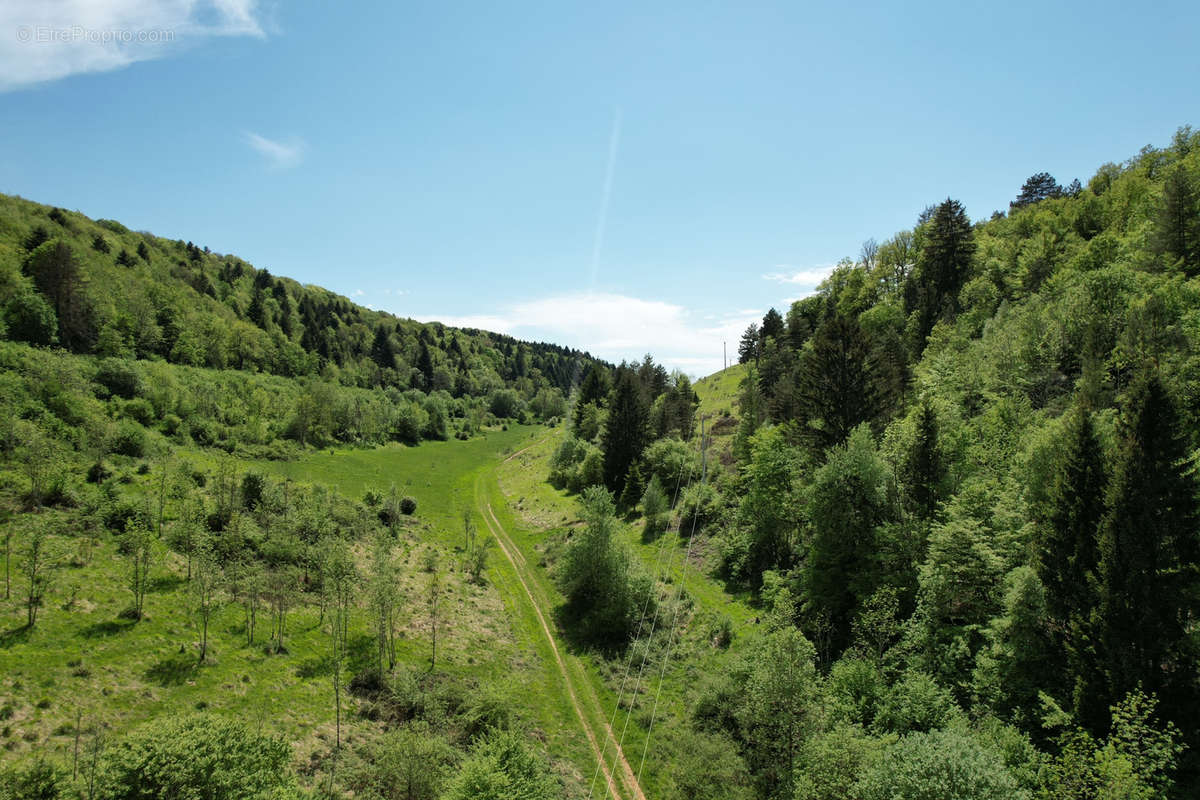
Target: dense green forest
[[96, 288], [935, 537], [960, 484]]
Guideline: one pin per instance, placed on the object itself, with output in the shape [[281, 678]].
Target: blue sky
[[450, 160]]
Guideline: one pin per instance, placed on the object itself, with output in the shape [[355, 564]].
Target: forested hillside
[[96, 288], [959, 484]]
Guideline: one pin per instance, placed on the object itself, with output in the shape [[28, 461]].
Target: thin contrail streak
[[598, 242]]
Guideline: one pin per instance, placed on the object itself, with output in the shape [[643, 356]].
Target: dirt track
[[517, 559]]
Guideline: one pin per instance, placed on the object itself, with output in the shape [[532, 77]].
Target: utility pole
[[724, 356]]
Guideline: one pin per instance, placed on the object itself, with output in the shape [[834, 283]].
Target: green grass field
[[718, 392], [84, 659]]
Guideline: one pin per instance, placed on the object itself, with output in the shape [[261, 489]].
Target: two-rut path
[[582, 695]]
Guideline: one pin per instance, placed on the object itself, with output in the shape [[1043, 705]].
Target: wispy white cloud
[[808, 276], [280, 154], [47, 40], [617, 327]]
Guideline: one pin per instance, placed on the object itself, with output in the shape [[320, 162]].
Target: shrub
[[505, 404], [915, 703], [172, 424], [408, 506], [38, 781], [939, 765], [119, 377], [139, 410], [29, 318], [118, 515], [253, 485], [674, 461], [204, 433], [502, 767], [700, 505], [198, 757], [129, 439]]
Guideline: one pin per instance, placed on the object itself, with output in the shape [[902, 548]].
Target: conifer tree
[[931, 291], [381, 349], [1038, 187], [1148, 557], [625, 431], [924, 467], [635, 484], [425, 365], [1067, 551], [1177, 226], [1067, 555], [748, 346], [834, 391], [772, 327], [592, 391]]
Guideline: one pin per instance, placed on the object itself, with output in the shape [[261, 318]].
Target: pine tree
[[931, 291], [257, 312], [1037, 188], [1177, 227], [772, 327], [635, 484], [381, 349], [425, 365], [625, 431], [592, 391], [834, 390], [748, 347], [1067, 552], [1148, 557], [56, 273], [1066, 558], [924, 467]]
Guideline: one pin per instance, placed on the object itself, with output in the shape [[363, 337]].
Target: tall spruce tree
[[834, 391], [425, 365], [1177, 225], [381, 349], [1148, 558], [1067, 544], [931, 291], [592, 391], [625, 431], [772, 327], [748, 346], [924, 468], [1067, 556]]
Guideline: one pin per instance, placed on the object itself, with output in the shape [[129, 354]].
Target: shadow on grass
[[581, 637], [111, 627], [314, 667], [167, 583], [174, 670], [15, 636]]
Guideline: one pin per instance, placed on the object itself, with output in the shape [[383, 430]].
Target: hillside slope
[[120, 293]]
